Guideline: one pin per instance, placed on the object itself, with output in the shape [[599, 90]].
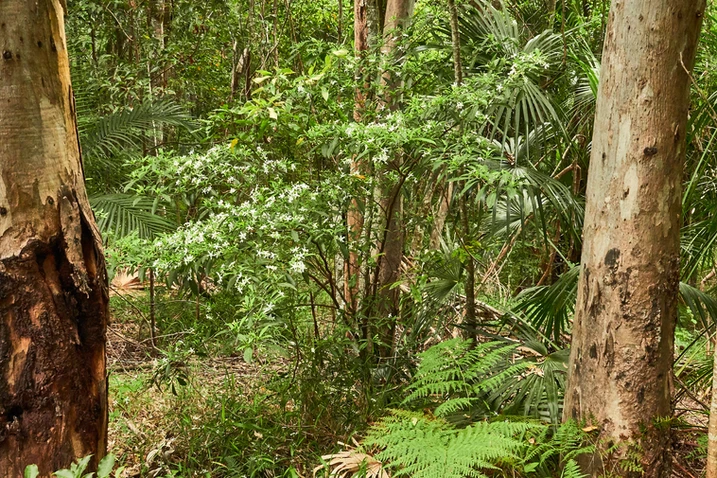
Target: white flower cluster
[[205, 170], [296, 263]]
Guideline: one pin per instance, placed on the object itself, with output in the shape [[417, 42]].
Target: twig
[[121, 296], [680, 467], [118, 23], [689, 393]]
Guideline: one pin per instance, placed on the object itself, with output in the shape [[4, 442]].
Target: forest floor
[[165, 410], [156, 403]]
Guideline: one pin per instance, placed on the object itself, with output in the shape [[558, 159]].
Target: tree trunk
[[393, 238], [623, 333], [354, 216], [455, 42], [444, 206], [398, 14], [53, 285], [470, 317], [712, 430]]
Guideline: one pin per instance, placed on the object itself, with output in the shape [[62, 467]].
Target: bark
[[623, 334], [361, 33], [276, 34], [354, 216], [386, 297], [340, 25], [53, 286], [160, 16], [398, 13], [712, 430], [471, 323], [456, 42], [241, 72], [444, 206], [152, 315]]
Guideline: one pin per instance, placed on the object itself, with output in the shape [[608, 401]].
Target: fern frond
[[422, 447], [572, 470], [465, 381], [450, 370]]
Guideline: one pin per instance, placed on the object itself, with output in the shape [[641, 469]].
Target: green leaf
[[125, 214], [104, 469], [81, 466], [107, 136], [64, 474], [31, 471], [248, 355]]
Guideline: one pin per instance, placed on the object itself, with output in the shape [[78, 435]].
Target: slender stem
[[456, 41], [152, 321]]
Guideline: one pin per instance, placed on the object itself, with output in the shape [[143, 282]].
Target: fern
[[420, 447], [465, 383], [564, 443], [571, 470], [450, 369], [462, 380]]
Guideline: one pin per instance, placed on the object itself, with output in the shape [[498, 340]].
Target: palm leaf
[[491, 33], [122, 214], [550, 308], [109, 135]]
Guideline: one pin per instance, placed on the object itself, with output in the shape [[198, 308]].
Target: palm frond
[[106, 136], [122, 214], [550, 308], [529, 193], [580, 106], [523, 105], [702, 304]]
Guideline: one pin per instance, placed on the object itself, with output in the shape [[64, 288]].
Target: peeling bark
[[53, 285], [623, 333]]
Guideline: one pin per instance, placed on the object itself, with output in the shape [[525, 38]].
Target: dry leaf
[[346, 463]]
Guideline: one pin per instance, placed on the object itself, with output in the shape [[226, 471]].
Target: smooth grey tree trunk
[[623, 335]]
